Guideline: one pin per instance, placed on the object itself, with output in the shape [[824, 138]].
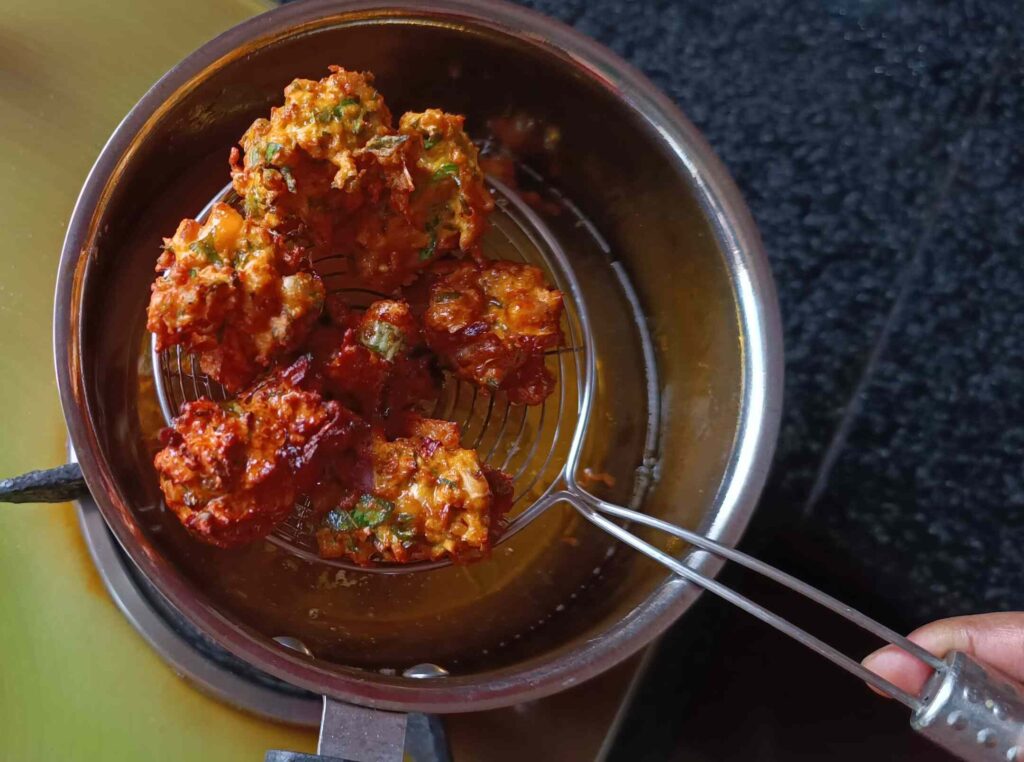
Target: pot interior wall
[[561, 582]]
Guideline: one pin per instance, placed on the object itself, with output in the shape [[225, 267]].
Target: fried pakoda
[[329, 119], [491, 323], [233, 471], [442, 209], [426, 499], [306, 165], [328, 173], [231, 295], [376, 363], [450, 198]]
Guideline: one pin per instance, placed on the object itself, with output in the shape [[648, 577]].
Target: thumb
[[996, 639]]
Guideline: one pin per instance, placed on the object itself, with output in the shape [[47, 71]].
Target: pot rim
[[760, 329]]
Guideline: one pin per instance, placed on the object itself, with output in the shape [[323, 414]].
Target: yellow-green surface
[[76, 682]]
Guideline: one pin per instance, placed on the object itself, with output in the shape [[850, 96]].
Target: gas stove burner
[[190, 654]]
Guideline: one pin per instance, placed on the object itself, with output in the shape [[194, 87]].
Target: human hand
[[994, 639]]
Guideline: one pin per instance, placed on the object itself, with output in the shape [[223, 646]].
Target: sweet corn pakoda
[[230, 294], [232, 471], [306, 165], [426, 498], [377, 362], [328, 172], [492, 322]]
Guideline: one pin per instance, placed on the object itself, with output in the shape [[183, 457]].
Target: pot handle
[[350, 733], [52, 485]]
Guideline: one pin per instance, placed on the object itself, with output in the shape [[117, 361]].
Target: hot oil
[[535, 590]]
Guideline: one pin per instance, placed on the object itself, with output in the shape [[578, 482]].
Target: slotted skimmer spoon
[[968, 708]]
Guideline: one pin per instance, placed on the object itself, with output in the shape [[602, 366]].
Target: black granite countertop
[[878, 145]]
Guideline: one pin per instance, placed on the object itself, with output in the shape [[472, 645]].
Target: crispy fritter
[[329, 173], [330, 119], [289, 193], [230, 294], [198, 289], [491, 323], [450, 197], [306, 165], [232, 471], [429, 499], [376, 363], [433, 202]]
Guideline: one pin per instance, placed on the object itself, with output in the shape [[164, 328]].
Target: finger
[[996, 639]]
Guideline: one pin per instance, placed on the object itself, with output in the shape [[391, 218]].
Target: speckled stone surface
[[838, 121], [878, 145], [935, 460]]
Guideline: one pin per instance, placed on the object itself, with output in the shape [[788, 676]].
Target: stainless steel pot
[[689, 371]]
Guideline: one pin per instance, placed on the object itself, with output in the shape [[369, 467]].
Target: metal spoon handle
[[970, 709]]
